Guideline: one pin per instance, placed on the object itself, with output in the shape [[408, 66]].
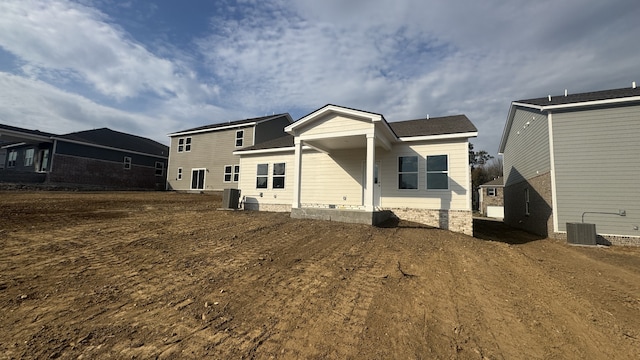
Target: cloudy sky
[[155, 67]]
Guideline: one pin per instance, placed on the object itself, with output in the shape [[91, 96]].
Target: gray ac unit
[[581, 233], [230, 198]]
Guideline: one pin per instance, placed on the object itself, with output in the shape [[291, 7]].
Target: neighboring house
[[100, 157], [492, 198], [202, 158], [574, 157], [351, 165]]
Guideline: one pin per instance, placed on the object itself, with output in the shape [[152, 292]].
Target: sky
[[151, 68]]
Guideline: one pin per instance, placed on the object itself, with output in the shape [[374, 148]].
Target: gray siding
[[526, 152], [272, 129], [598, 168], [209, 150]]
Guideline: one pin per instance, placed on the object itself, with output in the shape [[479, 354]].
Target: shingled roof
[[281, 142], [119, 140], [583, 97], [213, 127], [434, 126]]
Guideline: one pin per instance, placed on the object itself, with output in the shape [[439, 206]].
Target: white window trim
[[28, 160], [239, 138], [204, 179], [492, 191], [266, 176], [12, 158], [284, 176], [426, 173], [126, 163], [527, 204], [225, 173], [182, 142], [179, 174], [398, 173], [236, 173]]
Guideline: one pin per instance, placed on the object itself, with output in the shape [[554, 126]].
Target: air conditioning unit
[[230, 198], [581, 233]]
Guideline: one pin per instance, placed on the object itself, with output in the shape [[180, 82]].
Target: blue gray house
[[572, 158], [99, 157]]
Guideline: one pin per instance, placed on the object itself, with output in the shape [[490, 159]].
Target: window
[[228, 173], [437, 172], [184, 144], [262, 176], [526, 201], [13, 155], [197, 179], [407, 172], [159, 168], [491, 191], [236, 173], [127, 163], [179, 176], [239, 138], [278, 176], [28, 157]]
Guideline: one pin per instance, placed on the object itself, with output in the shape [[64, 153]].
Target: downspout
[[53, 156]]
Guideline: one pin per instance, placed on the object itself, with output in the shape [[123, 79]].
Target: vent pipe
[[565, 92], [549, 97], [427, 116], [633, 85]]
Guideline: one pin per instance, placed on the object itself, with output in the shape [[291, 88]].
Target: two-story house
[[202, 159], [573, 158]]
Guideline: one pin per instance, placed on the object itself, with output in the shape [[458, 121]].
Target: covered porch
[[339, 180]]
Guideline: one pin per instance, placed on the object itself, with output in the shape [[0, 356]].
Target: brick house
[[99, 157], [491, 195]]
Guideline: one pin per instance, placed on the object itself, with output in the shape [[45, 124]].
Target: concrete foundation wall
[[267, 207]]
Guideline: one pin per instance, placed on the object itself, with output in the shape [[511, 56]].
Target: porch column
[[371, 160], [297, 174]]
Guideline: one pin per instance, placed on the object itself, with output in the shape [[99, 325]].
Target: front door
[[197, 179]]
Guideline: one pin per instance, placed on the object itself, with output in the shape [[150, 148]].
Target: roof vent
[[633, 85], [549, 97], [565, 92], [427, 116]]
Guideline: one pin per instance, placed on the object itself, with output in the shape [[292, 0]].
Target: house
[[350, 165], [202, 159], [574, 158], [99, 157], [491, 195]]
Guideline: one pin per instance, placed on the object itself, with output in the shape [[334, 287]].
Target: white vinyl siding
[[249, 179], [455, 198], [597, 168], [334, 124]]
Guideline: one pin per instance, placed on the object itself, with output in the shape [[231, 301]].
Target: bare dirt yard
[[167, 275]]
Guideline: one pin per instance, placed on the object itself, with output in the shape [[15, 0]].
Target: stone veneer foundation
[[460, 221], [267, 207]]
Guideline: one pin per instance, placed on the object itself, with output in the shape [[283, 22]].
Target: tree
[[478, 158]]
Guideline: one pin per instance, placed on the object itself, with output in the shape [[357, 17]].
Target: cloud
[[61, 41], [33, 104]]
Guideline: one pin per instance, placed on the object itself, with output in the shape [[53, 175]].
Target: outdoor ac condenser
[[581, 233]]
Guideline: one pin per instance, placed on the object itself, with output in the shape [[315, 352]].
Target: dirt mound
[[166, 275]]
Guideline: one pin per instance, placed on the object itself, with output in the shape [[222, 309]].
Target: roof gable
[[230, 124], [119, 140]]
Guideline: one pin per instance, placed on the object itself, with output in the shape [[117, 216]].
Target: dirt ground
[[167, 275]]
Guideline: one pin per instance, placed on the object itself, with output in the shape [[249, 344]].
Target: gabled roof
[[571, 101], [434, 126], [229, 124], [114, 139], [499, 181]]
